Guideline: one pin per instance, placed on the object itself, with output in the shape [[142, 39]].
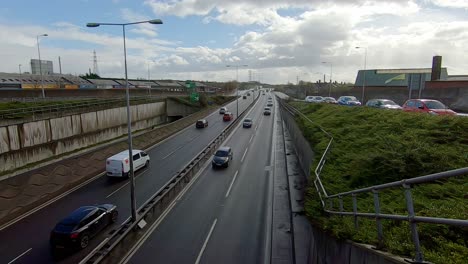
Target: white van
[[119, 164]]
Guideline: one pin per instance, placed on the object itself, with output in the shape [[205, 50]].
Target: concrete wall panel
[[14, 137], [4, 140], [35, 133], [88, 122], [76, 124], [61, 127]]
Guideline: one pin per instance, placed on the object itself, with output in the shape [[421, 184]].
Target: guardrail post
[[378, 221], [418, 258], [356, 224]]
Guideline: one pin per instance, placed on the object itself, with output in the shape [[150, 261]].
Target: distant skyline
[[279, 41]]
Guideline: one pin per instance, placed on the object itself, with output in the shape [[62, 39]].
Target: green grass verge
[[373, 146]]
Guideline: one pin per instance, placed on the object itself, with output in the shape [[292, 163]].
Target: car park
[[429, 106], [247, 122], [119, 164], [202, 123], [222, 157], [76, 230], [348, 100], [383, 104], [329, 100], [223, 110], [267, 111], [227, 116]]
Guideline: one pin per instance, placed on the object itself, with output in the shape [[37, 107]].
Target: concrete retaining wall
[[32, 142]]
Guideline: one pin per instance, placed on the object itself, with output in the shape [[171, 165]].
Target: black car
[[222, 157], [247, 122], [267, 111], [202, 123], [79, 227]]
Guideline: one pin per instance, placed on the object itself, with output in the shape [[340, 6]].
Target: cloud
[[451, 3], [146, 29]]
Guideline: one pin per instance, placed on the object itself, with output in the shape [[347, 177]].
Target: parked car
[[433, 107], [119, 165], [267, 111], [383, 103], [76, 230], [223, 110], [247, 122], [348, 100], [222, 157], [202, 123], [227, 116], [309, 99], [314, 99], [329, 100]]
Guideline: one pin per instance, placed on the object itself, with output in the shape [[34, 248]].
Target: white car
[[314, 99], [119, 164]]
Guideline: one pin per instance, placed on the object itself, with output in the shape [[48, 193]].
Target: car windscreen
[[222, 153], [388, 102], [435, 105], [247, 120], [66, 226]]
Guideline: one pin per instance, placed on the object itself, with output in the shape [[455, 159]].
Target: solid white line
[[251, 137], [206, 241], [174, 151], [245, 152], [19, 218], [232, 182], [256, 127], [15, 259], [120, 188]]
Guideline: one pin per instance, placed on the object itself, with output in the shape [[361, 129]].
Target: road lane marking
[[206, 241], [245, 152], [161, 218], [256, 127], [19, 218], [172, 152], [251, 137], [232, 182], [120, 188], [22, 254]]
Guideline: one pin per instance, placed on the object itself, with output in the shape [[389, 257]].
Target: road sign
[[194, 97]]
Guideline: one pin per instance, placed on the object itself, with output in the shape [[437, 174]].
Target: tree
[[90, 76]]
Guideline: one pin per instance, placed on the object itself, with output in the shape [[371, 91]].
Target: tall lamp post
[[21, 79], [237, 86], [364, 74], [331, 74], [40, 63], [129, 119]]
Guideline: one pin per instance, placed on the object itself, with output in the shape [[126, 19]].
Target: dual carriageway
[[221, 218]]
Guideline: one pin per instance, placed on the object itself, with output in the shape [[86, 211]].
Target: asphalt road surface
[[222, 217], [27, 241]]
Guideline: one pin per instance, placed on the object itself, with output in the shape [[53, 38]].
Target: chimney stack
[[436, 68]]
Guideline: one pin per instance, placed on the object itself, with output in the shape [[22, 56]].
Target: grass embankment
[[373, 146]]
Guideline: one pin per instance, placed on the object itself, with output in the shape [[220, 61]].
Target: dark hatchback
[[76, 230], [222, 157], [202, 123]]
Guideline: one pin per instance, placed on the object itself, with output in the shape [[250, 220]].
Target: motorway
[[27, 240], [223, 217]]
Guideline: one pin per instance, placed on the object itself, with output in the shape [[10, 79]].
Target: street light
[[40, 62], [237, 85], [21, 80], [364, 74], [129, 119], [331, 74]]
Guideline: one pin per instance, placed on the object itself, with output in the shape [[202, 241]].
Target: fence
[[155, 206], [413, 219]]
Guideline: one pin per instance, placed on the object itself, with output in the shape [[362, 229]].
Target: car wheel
[[147, 164], [84, 241], [213, 166], [114, 216], [227, 165]]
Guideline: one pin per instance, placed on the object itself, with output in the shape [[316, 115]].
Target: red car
[[227, 116], [433, 107]]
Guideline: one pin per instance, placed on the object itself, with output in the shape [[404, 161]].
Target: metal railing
[[406, 184], [155, 206]]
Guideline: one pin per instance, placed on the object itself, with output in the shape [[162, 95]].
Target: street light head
[[93, 25], [155, 21], [45, 35]]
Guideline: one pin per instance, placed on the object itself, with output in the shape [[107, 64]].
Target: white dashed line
[[22, 254], [206, 242], [232, 183], [243, 156]]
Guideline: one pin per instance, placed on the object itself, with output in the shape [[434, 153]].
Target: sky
[[272, 41]]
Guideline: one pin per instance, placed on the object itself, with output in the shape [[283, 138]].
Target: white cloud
[[451, 3]]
